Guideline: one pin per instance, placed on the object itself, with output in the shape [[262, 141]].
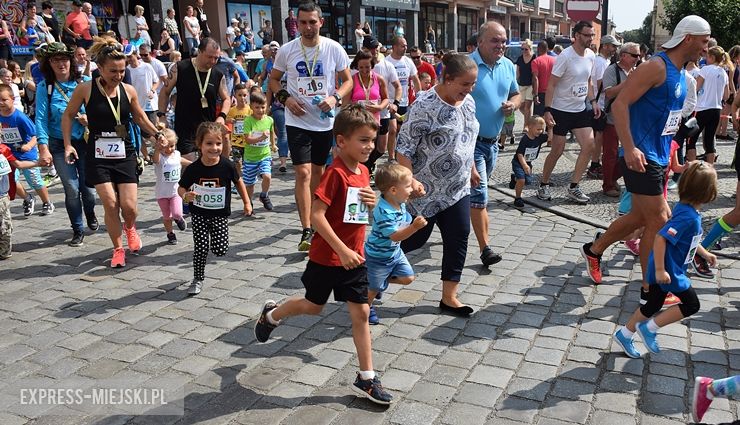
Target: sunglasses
[[634, 55], [415, 57]]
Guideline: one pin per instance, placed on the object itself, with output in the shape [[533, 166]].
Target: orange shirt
[[79, 23]]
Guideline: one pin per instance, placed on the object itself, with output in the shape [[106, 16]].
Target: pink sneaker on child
[[634, 246], [702, 398]]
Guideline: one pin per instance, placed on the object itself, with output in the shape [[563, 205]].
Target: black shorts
[[115, 171], [650, 183], [308, 146], [598, 124], [384, 124], [348, 285], [185, 146], [539, 108], [566, 121]]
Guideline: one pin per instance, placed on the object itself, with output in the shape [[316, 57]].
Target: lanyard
[[61, 91], [117, 110], [315, 56], [202, 87], [366, 90]]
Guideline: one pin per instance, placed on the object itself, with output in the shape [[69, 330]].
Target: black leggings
[[708, 121], [454, 225], [689, 301], [213, 231]]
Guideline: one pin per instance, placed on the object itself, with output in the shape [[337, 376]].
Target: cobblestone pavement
[[538, 350]]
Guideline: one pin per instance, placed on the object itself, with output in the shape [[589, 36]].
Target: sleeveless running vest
[[649, 115], [100, 117]]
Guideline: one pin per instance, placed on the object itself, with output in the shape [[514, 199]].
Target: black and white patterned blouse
[[439, 139]]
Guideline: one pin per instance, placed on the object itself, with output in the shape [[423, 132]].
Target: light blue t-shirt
[[683, 235], [494, 86], [386, 221]]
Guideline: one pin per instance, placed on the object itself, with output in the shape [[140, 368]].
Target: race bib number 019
[[110, 148], [209, 198], [530, 154], [355, 211], [171, 174], [672, 123], [312, 86]]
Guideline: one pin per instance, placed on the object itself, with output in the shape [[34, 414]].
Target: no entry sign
[[583, 10]]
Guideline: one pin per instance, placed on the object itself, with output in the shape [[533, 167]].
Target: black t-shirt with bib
[[214, 189]]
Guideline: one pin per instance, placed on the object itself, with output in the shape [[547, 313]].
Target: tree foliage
[[643, 34], [722, 15]]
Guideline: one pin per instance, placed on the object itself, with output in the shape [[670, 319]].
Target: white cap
[[690, 25], [274, 45], [234, 21]]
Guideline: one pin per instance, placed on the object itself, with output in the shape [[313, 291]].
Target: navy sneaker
[[373, 318], [372, 389], [263, 328]]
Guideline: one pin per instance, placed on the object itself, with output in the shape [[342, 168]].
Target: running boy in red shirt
[[336, 263]]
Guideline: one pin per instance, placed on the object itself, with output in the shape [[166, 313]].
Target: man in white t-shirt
[[311, 65], [568, 89], [145, 53], [230, 36], [386, 70], [608, 47], [145, 81], [407, 73]]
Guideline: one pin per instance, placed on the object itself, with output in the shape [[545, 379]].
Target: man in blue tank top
[[647, 113]]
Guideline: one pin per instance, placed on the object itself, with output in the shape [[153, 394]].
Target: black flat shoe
[[464, 311]]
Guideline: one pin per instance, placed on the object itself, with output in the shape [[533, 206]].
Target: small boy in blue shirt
[[386, 262], [527, 151], [673, 250], [19, 134]]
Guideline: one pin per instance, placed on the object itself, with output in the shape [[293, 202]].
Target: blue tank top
[[649, 116]]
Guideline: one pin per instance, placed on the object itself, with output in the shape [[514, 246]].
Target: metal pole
[[604, 17]]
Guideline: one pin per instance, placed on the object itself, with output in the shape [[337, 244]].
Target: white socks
[[626, 332], [270, 319], [367, 374], [652, 327]]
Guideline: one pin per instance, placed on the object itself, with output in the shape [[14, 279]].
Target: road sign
[[583, 10]]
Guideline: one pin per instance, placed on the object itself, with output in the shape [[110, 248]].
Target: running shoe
[[263, 328], [119, 258], [195, 287], [92, 222], [648, 338], [133, 239], [29, 206], [575, 194], [518, 203], [593, 263], [172, 238], [305, 242], [266, 202], [283, 169], [77, 238], [671, 300], [633, 245], [701, 267], [627, 344], [181, 223], [372, 389], [544, 193], [47, 208], [702, 398], [373, 317]]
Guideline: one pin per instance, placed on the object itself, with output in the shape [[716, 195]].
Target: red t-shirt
[[8, 154], [79, 23], [332, 191], [542, 68], [429, 69]]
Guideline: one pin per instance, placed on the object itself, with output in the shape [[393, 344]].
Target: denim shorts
[[518, 171], [379, 270]]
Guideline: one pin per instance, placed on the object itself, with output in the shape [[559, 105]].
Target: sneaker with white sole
[[544, 193], [627, 344], [47, 208], [195, 287], [575, 194], [29, 206], [372, 389], [650, 339]]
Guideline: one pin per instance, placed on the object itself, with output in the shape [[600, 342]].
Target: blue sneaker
[[648, 338], [373, 318], [627, 344]]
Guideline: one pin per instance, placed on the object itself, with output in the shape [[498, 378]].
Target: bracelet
[[548, 109], [222, 115], [282, 96]]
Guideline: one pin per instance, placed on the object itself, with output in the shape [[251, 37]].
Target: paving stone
[[611, 418], [399, 380], [412, 413], [313, 375], [431, 393], [517, 409], [457, 413], [488, 375]]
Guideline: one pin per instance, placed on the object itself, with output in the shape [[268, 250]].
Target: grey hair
[[626, 47], [145, 48]]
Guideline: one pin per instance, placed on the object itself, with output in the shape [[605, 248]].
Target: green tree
[[722, 15], [643, 34]]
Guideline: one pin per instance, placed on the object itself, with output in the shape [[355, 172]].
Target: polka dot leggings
[[208, 232]]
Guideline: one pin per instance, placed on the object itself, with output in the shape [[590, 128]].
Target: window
[[551, 29], [338, 23], [382, 21], [436, 16], [536, 30], [467, 24], [559, 7]]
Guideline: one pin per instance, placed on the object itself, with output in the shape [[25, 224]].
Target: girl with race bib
[[168, 165], [206, 186]]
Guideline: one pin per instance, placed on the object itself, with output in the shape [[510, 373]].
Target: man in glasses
[[569, 89], [496, 95], [422, 66], [647, 115], [608, 47]]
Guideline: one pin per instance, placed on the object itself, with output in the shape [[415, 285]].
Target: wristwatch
[[338, 98]]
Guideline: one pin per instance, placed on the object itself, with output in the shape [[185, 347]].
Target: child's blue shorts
[[379, 270]]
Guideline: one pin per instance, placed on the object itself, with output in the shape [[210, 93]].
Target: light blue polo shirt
[[494, 86]]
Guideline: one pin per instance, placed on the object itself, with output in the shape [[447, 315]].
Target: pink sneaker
[[702, 398], [634, 246], [119, 258], [133, 239]]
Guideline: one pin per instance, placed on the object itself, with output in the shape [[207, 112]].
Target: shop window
[[436, 16]]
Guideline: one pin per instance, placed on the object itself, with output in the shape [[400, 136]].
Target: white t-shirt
[[168, 171], [230, 35], [597, 73], [330, 59], [405, 69], [143, 78], [574, 72], [689, 104], [386, 70], [711, 92], [160, 70]]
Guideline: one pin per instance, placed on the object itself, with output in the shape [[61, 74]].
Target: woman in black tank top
[[111, 159]]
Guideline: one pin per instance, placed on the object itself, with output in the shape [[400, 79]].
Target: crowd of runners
[[208, 132]]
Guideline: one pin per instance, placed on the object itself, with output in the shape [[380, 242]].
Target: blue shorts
[[379, 270], [32, 176], [250, 170], [518, 171], [485, 160]]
